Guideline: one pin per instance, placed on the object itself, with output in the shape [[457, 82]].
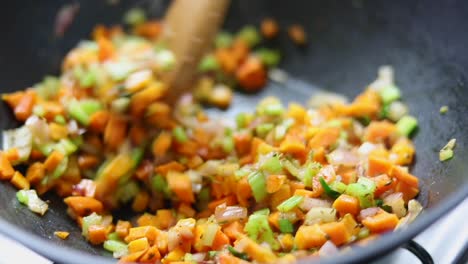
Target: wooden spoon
[[189, 30]]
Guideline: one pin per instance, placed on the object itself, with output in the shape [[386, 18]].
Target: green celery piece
[[179, 134], [120, 105], [228, 144], [264, 211], [92, 219], [390, 93], [115, 246], [328, 190], [263, 129], [290, 203], [208, 63], [364, 191], [159, 184], [310, 172], [137, 156], [257, 183], [338, 186], [128, 191], [22, 196], [223, 39], [82, 110], [269, 57], [285, 226], [258, 229], [135, 16], [59, 119], [113, 236], [274, 109], [236, 253], [66, 146], [250, 35], [272, 165], [406, 125], [292, 169], [60, 169]]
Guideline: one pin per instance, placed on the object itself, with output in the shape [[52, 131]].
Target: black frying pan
[[424, 40]]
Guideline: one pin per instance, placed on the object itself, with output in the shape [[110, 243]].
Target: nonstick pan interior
[[348, 41]]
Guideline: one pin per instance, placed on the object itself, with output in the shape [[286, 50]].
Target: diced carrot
[[181, 185], [116, 131], [304, 192], [408, 191], [63, 187], [142, 99], [402, 152], [337, 232], [175, 255], [36, 155], [240, 50], [309, 237], [256, 251], [269, 28], [186, 210], [62, 234], [165, 218], [380, 222], [137, 245], [379, 131], [6, 170], [348, 174], [162, 143], [325, 137], [273, 219], [35, 172], [122, 228], [150, 232], [226, 60], [297, 111], [251, 74], [225, 258], [293, 146], [297, 34], [106, 48], [281, 195], [319, 155], [53, 160], [188, 148], [379, 166], [151, 256], [158, 114], [234, 230], [52, 109], [138, 134], [57, 131], [345, 204], [147, 219], [97, 234], [220, 240], [366, 104], [98, 121], [274, 182], [296, 185], [404, 176], [83, 206], [12, 155], [25, 106], [243, 191], [141, 201], [383, 183], [87, 161], [150, 29], [194, 162], [13, 99], [19, 181], [171, 166], [228, 200], [242, 143], [132, 258]]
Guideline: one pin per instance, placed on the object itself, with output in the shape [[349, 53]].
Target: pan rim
[[384, 246]]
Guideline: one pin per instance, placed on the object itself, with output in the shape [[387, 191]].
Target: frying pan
[[424, 40]]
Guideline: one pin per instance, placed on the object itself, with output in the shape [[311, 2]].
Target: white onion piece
[[209, 168], [328, 249], [365, 149], [85, 187], [343, 157], [198, 257], [395, 200], [39, 130], [320, 215], [225, 213], [327, 172], [309, 203], [368, 212], [326, 98], [414, 209]]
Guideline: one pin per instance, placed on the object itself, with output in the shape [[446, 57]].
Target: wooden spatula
[[189, 30]]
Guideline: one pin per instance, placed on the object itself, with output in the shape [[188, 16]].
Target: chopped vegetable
[[61, 234], [389, 94], [34, 203], [258, 183], [446, 152], [135, 16], [406, 125], [297, 34], [443, 109], [250, 35], [258, 229], [289, 204]]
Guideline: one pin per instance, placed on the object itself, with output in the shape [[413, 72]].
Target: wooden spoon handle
[[189, 30]]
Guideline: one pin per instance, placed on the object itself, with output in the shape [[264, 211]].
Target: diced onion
[[328, 249], [309, 203], [395, 200], [368, 212], [414, 209], [225, 213], [320, 215], [343, 157]]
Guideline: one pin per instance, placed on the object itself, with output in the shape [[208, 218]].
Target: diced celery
[[406, 125], [236, 253], [179, 134], [159, 184], [34, 203], [264, 211], [120, 105], [290, 203], [22, 196], [292, 168], [48, 88], [137, 156], [363, 190], [82, 110], [272, 165], [113, 236], [208, 63], [39, 110], [128, 191], [250, 35], [117, 247], [92, 219], [88, 79], [258, 229], [209, 234], [135, 16], [66, 146], [223, 39], [257, 183], [338, 186], [263, 129], [228, 144], [445, 154], [389, 93], [309, 172], [274, 109], [60, 169], [241, 120], [269, 57], [285, 226], [20, 138], [59, 119], [328, 190]]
